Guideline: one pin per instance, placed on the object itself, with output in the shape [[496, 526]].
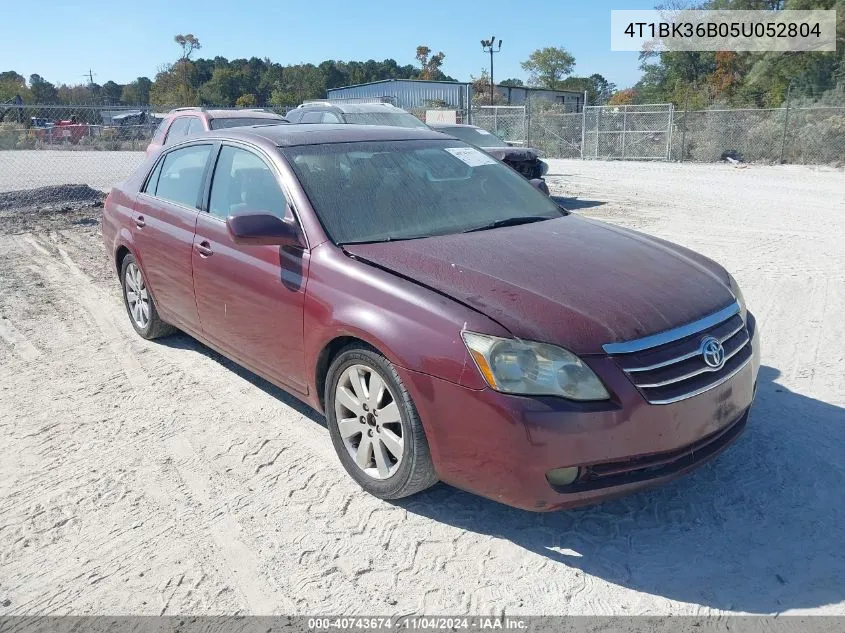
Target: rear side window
[[294, 115], [312, 117], [195, 126], [179, 130], [181, 175], [221, 124], [330, 117], [244, 183]]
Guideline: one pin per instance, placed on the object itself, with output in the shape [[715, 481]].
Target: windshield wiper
[[526, 219], [389, 238]]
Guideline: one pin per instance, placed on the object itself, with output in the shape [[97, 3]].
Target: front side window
[[379, 191], [244, 183], [181, 176]]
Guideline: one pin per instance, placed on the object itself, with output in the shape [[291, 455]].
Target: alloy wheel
[[137, 297], [369, 421]]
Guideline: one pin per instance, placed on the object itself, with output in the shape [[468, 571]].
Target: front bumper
[[501, 446]]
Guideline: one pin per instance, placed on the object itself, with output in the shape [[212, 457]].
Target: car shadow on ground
[[573, 204], [759, 529], [183, 341]]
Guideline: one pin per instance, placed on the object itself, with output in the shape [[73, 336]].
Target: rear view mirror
[[540, 184], [262, 228]]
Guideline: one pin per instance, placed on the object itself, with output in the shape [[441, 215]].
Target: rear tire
[[139, 303], [375, 427]]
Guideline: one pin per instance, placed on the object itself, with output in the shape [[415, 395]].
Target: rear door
[[164, 222], [250, 298]]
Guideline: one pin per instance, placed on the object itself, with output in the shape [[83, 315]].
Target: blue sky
[[121, 40]]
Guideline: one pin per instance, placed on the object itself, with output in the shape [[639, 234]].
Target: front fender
[[414, 327]]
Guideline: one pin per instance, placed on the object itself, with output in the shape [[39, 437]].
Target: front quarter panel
[[414, 327]]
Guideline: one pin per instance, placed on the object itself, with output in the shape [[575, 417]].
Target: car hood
[[569, 281], [516, 154]]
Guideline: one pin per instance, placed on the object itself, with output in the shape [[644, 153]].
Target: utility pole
[[487, 47]]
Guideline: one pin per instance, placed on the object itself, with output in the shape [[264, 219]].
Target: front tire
[[139, 302], [374, 425]]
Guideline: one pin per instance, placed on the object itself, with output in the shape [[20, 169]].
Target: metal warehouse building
[[416, 93], [408, 93]]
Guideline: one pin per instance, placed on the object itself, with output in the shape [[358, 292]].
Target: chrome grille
[[675, 370]]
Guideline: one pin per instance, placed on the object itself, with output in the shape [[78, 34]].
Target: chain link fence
[[796, 135], [98, 146]]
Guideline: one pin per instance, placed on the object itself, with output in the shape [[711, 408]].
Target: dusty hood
[[516, 154], [569, 281]]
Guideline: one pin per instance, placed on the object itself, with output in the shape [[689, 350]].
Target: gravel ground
[[159, 478]]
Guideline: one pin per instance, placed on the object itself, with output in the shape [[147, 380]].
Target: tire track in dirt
[[83, 290], [18, 343]]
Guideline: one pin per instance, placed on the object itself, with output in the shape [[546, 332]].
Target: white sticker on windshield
[[471, 156], [483, 131]]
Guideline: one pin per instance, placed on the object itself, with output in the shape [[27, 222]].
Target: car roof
[[222, 113], [352, 107], [320, 133]]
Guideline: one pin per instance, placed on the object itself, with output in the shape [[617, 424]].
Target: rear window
[[223, 124], [393, 119]]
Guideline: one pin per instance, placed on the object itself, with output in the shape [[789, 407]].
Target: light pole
[[487, 47]]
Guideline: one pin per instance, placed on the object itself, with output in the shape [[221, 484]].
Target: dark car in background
[[525, 160], [181, 123], [452, 322], [353, 113]]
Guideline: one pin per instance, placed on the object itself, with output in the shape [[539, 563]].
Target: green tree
[[111, 92], [42, 90], [548, 66], [137, 92], [516, 83], [12, 85], [246, 101]]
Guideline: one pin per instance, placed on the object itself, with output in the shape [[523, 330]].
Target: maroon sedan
[[451, 321]]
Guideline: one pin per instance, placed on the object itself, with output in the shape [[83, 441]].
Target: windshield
[[393, 119], [475, 136], [222, 124], [390, 190]]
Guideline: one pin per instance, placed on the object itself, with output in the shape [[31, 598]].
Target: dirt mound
[[51, 197]]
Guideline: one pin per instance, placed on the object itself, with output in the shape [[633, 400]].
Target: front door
[[250, 298], [164, 222]]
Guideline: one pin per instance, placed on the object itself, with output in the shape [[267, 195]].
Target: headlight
[[523, 367], [737, 293]]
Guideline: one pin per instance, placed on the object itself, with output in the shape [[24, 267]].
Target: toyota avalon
[[451, 322]]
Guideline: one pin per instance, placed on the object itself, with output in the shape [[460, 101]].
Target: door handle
[[139, 222], [204, 249]]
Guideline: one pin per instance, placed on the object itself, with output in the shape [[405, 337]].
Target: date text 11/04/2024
[[417, 623]]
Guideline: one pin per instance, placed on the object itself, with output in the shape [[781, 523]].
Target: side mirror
[[262, 228], [540, 184]]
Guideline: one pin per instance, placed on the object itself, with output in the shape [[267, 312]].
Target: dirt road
[[159, 478]]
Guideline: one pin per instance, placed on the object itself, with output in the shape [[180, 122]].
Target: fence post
[[583, 124], [526, 120], [785, 124], [624, 128], [684, 130], [669, 133], [598, 127]]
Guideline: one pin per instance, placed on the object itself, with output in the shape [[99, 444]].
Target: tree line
[[259, 82]]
